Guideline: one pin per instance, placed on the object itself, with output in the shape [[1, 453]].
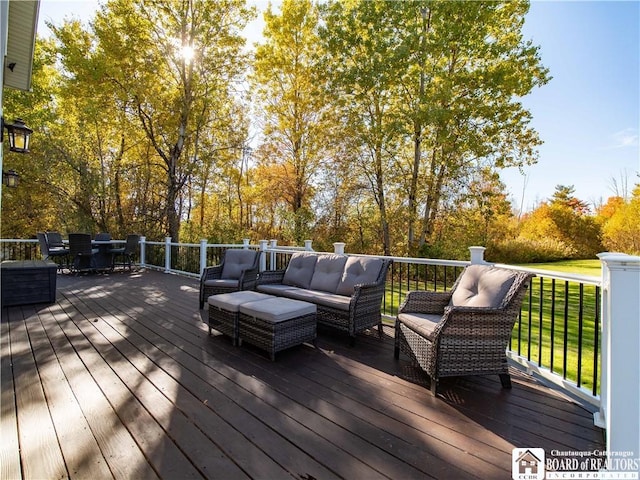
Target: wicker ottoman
[[277, 323], [224, 310]]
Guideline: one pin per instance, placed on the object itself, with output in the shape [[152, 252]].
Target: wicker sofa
[[464, 331], [347, 290]]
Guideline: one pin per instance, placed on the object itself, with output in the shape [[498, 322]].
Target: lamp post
[[10, 179], [19, 135]]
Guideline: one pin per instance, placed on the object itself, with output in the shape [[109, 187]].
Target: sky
[[587, 115]]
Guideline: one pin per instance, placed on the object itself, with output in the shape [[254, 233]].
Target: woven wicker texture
[[467, 340], [278, 336]]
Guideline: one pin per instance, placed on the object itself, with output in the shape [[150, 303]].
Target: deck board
[[120, 379]]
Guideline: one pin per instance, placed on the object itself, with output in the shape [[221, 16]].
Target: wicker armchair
[[466, 330], [237, 271]]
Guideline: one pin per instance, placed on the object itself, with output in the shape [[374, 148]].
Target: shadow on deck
[[120, 379]]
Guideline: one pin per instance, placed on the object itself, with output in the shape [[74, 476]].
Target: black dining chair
[[83, 254], [103, 237], [52, 252], [127, 253], [54, 239]]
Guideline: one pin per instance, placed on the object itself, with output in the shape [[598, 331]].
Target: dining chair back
[[103, 237], [44, 246], [50, 251], [82, 252], [54, 239], [127, 253]]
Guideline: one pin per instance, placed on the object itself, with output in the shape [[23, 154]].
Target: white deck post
[[619, 390], [245, 243], [272, 260], [338, 248], [167, 254], [203, 254], [143, 250], [307, 245], [477, 255], [263, 255]]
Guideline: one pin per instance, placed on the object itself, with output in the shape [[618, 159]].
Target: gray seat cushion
[[223, 283], [276, 289], [231, 301], [277, 309], [237, 260], [300, 269], [358, 270], [421, 323], [482, 286], [328, 272], [326, 299]]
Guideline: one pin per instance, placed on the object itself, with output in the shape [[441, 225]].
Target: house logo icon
[[527, 464]]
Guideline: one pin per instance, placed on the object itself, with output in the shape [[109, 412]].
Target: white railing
[[605, 311]]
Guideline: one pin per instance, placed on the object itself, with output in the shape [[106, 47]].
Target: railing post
[[245, 243], [263, 255], [167, 254], [203, 254], [143, 251], [477, 255], [307, 245], [272, 260], [338, 247], [619, 393]]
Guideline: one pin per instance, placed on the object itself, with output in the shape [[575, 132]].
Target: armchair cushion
[[300, 269], [237, 260], [423, 324], [482, 286], [222, 283], [359, 270], [328, 272]]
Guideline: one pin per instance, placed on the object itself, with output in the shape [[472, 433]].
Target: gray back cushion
[[300, 269], [358, 270], [482, 286], [237, 260], [328, 272]]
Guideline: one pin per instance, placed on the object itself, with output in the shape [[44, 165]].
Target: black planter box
[[25, 282]]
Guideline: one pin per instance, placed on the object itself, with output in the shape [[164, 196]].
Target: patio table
[[104, 258]]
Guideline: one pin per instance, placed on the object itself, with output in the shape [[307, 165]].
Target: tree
[[621, 232], [564, 219], [358, 38], [564, 196], [444, 76], [285, 74], [478, 66], [174, 65]]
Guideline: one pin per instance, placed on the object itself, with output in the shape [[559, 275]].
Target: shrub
[[524, 250]]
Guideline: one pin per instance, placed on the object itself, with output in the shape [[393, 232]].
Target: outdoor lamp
[[10, 179], [19, 135]]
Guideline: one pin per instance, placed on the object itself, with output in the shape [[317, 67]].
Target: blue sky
[[587, 115]]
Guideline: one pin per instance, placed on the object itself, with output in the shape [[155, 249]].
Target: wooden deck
[[120, 379]]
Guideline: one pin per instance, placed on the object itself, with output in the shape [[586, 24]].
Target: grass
[[559, 312], [580, 267], [560, 324]]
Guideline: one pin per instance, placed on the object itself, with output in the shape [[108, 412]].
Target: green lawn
[[580, 267], [547, 319]]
